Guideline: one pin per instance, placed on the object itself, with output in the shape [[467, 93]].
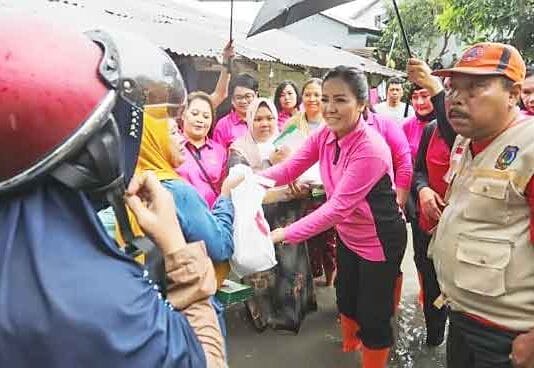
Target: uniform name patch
[[506, 157]]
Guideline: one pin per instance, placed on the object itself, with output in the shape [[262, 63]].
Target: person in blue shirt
[[69, 296]]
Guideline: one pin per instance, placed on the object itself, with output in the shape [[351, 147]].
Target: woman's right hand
[[279, 155], [153, 207], [431, 203], [299, 189]]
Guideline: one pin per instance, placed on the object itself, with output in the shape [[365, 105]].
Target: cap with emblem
[[489, 58]]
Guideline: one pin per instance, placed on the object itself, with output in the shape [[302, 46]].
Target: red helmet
[[59, 86]]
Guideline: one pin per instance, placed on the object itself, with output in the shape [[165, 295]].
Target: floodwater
[[318, 344]]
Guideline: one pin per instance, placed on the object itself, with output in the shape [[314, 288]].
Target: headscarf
[[69, 297], [155, 153], [255, 152]]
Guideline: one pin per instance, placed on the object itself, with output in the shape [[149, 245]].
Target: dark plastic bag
[[284, 294]]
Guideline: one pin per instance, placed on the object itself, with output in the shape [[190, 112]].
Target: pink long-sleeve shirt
[[213, 157], [413, 129], [363, 167], [228, 129], [399, 146]]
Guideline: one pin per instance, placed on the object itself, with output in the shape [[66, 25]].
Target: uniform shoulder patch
[[506, 157]]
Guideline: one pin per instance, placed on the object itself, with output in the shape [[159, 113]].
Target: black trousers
[[435, 319], [364, 289], [471, 344]]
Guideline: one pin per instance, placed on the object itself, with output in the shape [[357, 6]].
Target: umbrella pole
[[231, 19], [402, 29]]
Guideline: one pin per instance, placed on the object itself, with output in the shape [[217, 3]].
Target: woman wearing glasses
[[243, 90]]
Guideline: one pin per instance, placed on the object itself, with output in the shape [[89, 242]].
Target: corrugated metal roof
[[189, 31]]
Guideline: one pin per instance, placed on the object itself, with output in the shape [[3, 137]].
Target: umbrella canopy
[[280, 13]]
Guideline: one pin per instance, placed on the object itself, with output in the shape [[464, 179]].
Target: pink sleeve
[[289, 170], [401, 155], [218, 133], [359, 178]]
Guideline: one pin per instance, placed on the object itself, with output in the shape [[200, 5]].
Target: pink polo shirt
[[363, 166], [228, 129], [399, 146], [413, 129], [283, 117], [212, 156]]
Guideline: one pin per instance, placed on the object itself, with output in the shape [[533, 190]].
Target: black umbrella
[[281, 13]]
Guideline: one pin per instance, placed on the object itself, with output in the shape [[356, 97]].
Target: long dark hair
[[278, 93]]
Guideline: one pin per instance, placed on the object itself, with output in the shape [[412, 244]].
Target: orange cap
[[489, 58]]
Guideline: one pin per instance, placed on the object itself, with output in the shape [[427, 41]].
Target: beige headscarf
[[246, 145]]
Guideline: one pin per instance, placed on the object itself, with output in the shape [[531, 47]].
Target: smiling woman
[[356, 169], [204, 165]]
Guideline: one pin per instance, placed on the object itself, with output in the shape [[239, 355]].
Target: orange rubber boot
[[421, 297], [397, 291], [375, 358], [349, 330]]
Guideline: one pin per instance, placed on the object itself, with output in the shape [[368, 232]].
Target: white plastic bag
[[253, 247]]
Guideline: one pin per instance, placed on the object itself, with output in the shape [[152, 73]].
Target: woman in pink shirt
[[527, 92], [402, 167], [357, 172], [400, 151], [205, 160], [287, 100]]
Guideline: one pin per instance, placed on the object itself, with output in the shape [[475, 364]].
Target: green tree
[[509, 21], [419, 18]]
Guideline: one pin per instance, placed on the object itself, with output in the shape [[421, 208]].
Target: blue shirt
[[215, 227]]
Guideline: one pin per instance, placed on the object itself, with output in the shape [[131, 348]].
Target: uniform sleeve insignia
[[506, 157]]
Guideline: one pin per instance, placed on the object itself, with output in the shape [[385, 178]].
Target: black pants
[[471, 344], [364, 289], [435, 319]]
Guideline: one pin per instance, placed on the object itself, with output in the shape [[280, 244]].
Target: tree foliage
[[419, 18], [509, 21], [426, 21]]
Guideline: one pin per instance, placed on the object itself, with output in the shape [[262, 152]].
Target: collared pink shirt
[[283, 117], [399, 146], [413, 129], [213, 157], [363, 165], [228, 129]]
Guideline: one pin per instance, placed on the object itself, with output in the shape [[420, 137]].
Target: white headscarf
[[256, 152]]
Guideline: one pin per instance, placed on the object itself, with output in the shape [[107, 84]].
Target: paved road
[[318, 343]]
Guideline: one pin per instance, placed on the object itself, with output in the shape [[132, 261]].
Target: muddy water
[[318, 344]]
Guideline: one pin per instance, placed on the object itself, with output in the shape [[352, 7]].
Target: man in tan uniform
[[483, 247]]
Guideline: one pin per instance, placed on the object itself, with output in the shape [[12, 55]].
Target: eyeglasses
[[244, 98]]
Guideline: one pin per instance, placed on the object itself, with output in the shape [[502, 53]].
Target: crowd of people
[[454, 161]]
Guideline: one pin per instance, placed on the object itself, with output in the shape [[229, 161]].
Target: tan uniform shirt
[[482, 250]]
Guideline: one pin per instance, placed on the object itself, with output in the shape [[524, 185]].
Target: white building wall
[[321, 29]]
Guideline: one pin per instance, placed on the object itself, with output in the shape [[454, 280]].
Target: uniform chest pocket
[[481, 265], [488, 201]]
